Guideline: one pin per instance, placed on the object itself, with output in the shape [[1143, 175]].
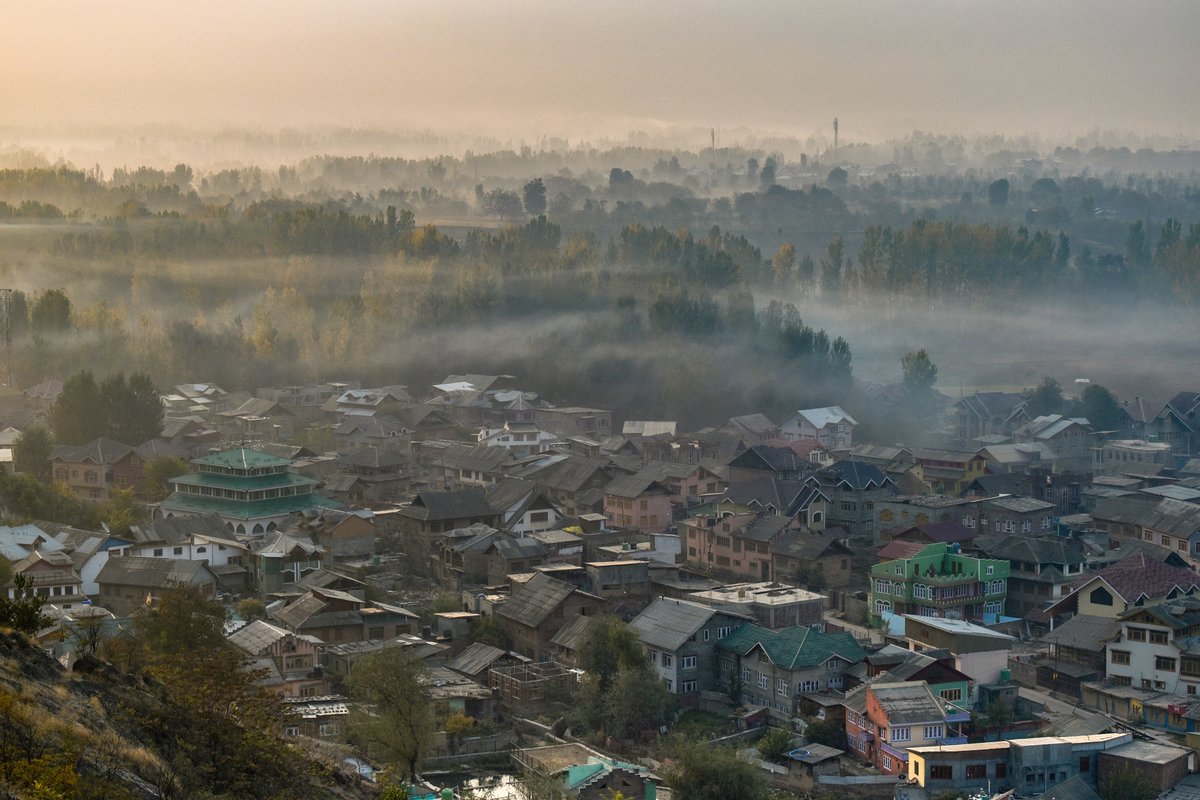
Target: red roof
[[899, 548], [801, 447], [947, 531]]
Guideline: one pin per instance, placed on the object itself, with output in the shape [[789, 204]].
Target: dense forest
[[654, 282]]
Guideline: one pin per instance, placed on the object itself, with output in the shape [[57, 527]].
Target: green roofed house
[[252, 492], [939, 581], [775, 668]]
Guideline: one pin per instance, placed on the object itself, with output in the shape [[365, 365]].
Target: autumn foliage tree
[[217, 726], [398, 723]]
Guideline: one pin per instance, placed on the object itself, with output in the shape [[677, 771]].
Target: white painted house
[[832, 427], [1156, 649], [518, 438]]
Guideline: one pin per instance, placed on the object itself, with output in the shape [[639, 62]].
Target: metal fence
[[476, 745]]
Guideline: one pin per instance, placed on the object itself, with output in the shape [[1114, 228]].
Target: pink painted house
[[638, 501]]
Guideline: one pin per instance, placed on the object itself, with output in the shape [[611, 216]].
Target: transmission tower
[[6, 321]]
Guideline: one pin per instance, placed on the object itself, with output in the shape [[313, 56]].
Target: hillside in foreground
[[97, 732]]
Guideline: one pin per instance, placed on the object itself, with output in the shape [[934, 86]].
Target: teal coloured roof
[[242, 458], [793, 648], [580, 774], [253, 509], [247, 483]]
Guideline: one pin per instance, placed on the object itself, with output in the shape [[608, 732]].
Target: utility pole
[[835, 137]]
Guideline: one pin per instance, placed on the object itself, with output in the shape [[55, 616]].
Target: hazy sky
[[607, 66]]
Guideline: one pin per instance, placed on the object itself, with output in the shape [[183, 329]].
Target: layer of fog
[[209, 149], [1141, 350]]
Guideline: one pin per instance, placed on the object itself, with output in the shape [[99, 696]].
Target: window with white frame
[[1026, 526], [687, 662], [883, 587], [920, 591], [722, 631], [833, 663], [899, 569], [934, 731], [668, 659], [706, 634], [887, 761], [899, 589], [653, 656], [764, 680], [883, 607], [781, 687], [808, 686], [989, 569], [687, 686], [746, 675], [902, 734]]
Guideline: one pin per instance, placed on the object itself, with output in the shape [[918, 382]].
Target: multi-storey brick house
[[740, 544], [853, 489], [91, 471], [883, 720]]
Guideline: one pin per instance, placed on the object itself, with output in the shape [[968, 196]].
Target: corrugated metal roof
[[571, 636], [257, 636], [536, 600], [475, 659], [667, 623], [907, 703]]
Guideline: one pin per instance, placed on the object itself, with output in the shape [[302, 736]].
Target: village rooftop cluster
[[1018, 609]]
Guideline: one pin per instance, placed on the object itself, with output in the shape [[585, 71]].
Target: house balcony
[[942, 579], [867, 737], [942, 602]]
